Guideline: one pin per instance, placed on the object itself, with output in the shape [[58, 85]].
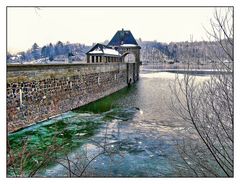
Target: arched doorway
[[129, 58], [132, 73]]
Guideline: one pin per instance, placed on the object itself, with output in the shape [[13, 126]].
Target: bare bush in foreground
[[208, 107]]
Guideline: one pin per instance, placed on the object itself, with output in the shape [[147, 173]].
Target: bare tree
[[208, 106]]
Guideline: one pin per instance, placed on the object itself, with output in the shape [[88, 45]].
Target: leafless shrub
[[76, 166], [208, 107], [16, 161]]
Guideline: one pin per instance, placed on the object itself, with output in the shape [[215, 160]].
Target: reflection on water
[[135, 121]]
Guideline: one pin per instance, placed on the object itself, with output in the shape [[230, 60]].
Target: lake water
[[134, 125]]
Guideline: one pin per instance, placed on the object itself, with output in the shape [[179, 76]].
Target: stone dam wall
[[37, 92]]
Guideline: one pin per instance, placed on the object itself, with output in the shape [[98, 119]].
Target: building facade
[[121, 45]]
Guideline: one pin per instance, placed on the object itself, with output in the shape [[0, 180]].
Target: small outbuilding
[[103, 54]]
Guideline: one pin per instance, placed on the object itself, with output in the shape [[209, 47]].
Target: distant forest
[[202, 51], [50, 53], [151, 52]]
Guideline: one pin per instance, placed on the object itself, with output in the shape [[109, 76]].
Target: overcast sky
[[90, 25]]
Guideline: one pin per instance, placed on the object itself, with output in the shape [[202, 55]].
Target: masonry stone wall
[[37, 92]]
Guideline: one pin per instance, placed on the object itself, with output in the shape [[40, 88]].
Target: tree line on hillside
[[202, 51], [51, 52], [151, 52]]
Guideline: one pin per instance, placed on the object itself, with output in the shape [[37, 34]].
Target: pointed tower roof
[[123, 37]]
